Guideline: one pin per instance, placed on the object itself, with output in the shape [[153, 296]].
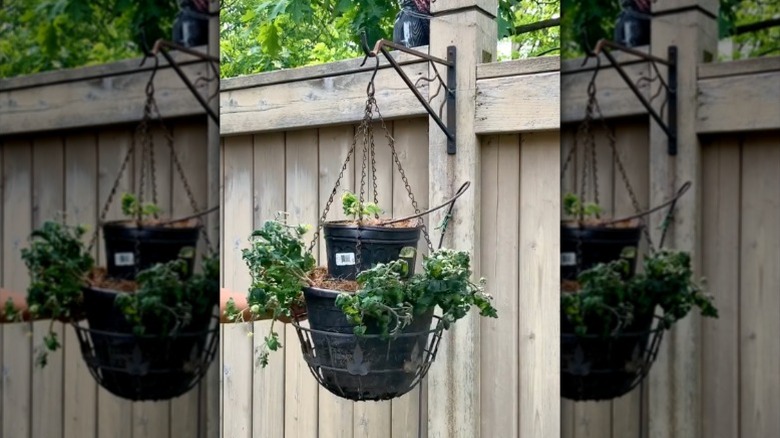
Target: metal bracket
[[162, 47], [450, 128], [670, 125]]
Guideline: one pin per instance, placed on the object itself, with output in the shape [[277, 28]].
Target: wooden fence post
[[691, 25], [454, 380]]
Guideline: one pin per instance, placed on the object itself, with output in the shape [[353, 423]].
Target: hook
[[366, 49], [371, 88]]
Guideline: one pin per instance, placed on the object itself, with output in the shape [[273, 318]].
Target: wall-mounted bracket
[[449, 129], [670, 125], [162, 47]]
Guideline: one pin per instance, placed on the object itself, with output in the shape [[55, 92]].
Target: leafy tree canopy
[[264, 35], [43, 35], [584, 22]]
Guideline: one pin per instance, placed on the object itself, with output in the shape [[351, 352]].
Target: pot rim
[[633, 224], [347, 223], [191, 224]]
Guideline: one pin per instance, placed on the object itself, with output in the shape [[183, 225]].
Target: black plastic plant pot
[[368, 367], [596, 245], [147, 367], [155, 244], [596, 367], [377, 245]]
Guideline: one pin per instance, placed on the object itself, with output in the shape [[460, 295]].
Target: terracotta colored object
[[20, 303], [240, 300]]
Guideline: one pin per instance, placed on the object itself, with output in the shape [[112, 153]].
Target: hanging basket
[[147, 367], [582, 247], [368, 367], [377, 244], [596, 367], [131, 249]]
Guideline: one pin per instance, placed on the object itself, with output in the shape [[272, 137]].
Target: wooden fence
[[738, 122], [285, 136], [63, 137]]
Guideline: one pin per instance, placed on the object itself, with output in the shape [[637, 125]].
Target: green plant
[[386, 298], [57, 262], [131, 207], [353, 208], [609, 301], [574, 207], [279, 264], [167, 300]]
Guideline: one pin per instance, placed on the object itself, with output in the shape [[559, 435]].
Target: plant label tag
[[568, 259], [345, 259], [124, 259]]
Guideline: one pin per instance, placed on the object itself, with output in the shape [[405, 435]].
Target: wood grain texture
[[312, 103], [80, 394], [739, 103], [268, 396], [336, 415], [411, 144], [114, 414], [518, 104], [300, 414], [17, 346], [96, 101], [614, 96], [499, 249], [721, 175], [237, 357], [539, 334], [518, 67], [759, 286], [48, 203], [453, 408], [190, 142]]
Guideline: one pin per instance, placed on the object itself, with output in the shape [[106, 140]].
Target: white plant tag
[[345, 259], [568, 259], [124, 259]]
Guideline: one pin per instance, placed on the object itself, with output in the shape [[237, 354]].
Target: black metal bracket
[[449, 129], [162, 47], [670, 125]]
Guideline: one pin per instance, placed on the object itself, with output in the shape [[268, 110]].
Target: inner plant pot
[[152, 366], [131, 249], [369, 367], [597, 244], [378, 244], [598, 367]]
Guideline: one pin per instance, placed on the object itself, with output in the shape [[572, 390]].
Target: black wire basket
[[596, 367], [149, 367], [369, 367]]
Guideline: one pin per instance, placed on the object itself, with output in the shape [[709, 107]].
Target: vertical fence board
[[152, 419], [80, 398], [335, 413], [631, 144], [237, 346], [48, 202], [374, 420], [411, 139], [301, 416], [17, 350], [759, 286], [500, 238], [190, 145], [539, 285], [114, 414], [268, 397], [720, 265]]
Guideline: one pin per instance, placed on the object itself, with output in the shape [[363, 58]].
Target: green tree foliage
[[43, 35], [584, 22], [264, 35]]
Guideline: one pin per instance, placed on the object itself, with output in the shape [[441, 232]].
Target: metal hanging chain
[[621, 169], [334, 192], [154, 111], [407, 186]]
